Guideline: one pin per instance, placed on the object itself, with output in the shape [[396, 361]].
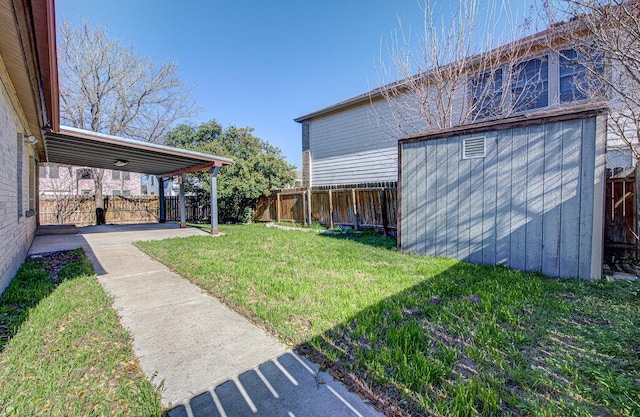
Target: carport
[[71, 146]]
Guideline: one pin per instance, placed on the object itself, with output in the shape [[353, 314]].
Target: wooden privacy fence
[[620, 216], [360, 205], [81, 210], [196, 211]]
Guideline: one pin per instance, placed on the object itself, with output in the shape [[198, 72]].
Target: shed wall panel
[[431, 195], [587, 193], [535, 195], [450, 180], [529, 203], [570, 205], [476, 207], [489, 200], [552, 197], [518, 199], [504, 147]]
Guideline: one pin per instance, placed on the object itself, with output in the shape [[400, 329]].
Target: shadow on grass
[[367, 237], [38, 277], [488, 340]]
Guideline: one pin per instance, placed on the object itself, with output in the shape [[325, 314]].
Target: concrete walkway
[[209, 359]]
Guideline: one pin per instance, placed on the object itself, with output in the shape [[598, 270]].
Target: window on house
[[575, 83], [486, 93], [530, 85], [123, 175], [19, 156], [33, 186], [84, 174], [42, 171], [54, 171], [85, 192]]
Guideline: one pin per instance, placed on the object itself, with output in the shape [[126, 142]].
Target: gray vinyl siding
[[534, 202], [351, 146]]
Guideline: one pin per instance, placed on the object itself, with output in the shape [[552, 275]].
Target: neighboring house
[[28, 105], [63, 180], [355, 141], [151, 184]]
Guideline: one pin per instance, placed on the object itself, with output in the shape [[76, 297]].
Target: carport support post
[[183, 221], [213, 172], [163, 213]]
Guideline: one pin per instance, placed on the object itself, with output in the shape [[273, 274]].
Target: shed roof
[[80, 147]]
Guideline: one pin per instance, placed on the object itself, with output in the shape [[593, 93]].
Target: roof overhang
[[71, 146], [28, 51]]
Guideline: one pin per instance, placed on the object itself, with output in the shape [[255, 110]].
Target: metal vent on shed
[[473, 148]]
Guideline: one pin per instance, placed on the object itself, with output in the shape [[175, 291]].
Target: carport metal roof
[[80, 147]]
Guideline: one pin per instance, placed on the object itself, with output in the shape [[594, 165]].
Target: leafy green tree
[[258, 166]]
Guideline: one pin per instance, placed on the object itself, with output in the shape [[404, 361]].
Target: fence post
[[278, 207], [309, 206], [355, 208], [183, 215], [304, 207], [161, 204], [330, 210]]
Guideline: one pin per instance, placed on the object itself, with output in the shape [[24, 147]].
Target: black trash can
[[99, 216]]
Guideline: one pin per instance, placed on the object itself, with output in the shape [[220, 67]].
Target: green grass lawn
[[63, 350], [428, 335]]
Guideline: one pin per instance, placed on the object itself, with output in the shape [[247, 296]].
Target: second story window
[[530, 89], [84, 174], [486, 93], [54, 171], [123, 175], [575, 81]]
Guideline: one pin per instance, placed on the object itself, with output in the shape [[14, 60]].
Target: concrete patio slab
[[209, 359]]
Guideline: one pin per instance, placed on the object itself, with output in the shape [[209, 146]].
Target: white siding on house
[[16, 229]]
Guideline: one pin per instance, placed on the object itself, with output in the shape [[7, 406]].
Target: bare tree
[[458, 72], [60, 189], [604, 36], [107, 88]]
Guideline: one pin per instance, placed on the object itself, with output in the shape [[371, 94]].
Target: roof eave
[[138, 144]]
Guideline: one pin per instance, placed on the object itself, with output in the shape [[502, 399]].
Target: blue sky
[[259, 63]]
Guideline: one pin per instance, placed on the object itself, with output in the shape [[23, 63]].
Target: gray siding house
[[347, 144]]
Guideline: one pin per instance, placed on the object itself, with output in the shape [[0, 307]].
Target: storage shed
[[526, 192]]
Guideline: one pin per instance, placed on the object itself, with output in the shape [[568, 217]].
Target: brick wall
[[16, 231]]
